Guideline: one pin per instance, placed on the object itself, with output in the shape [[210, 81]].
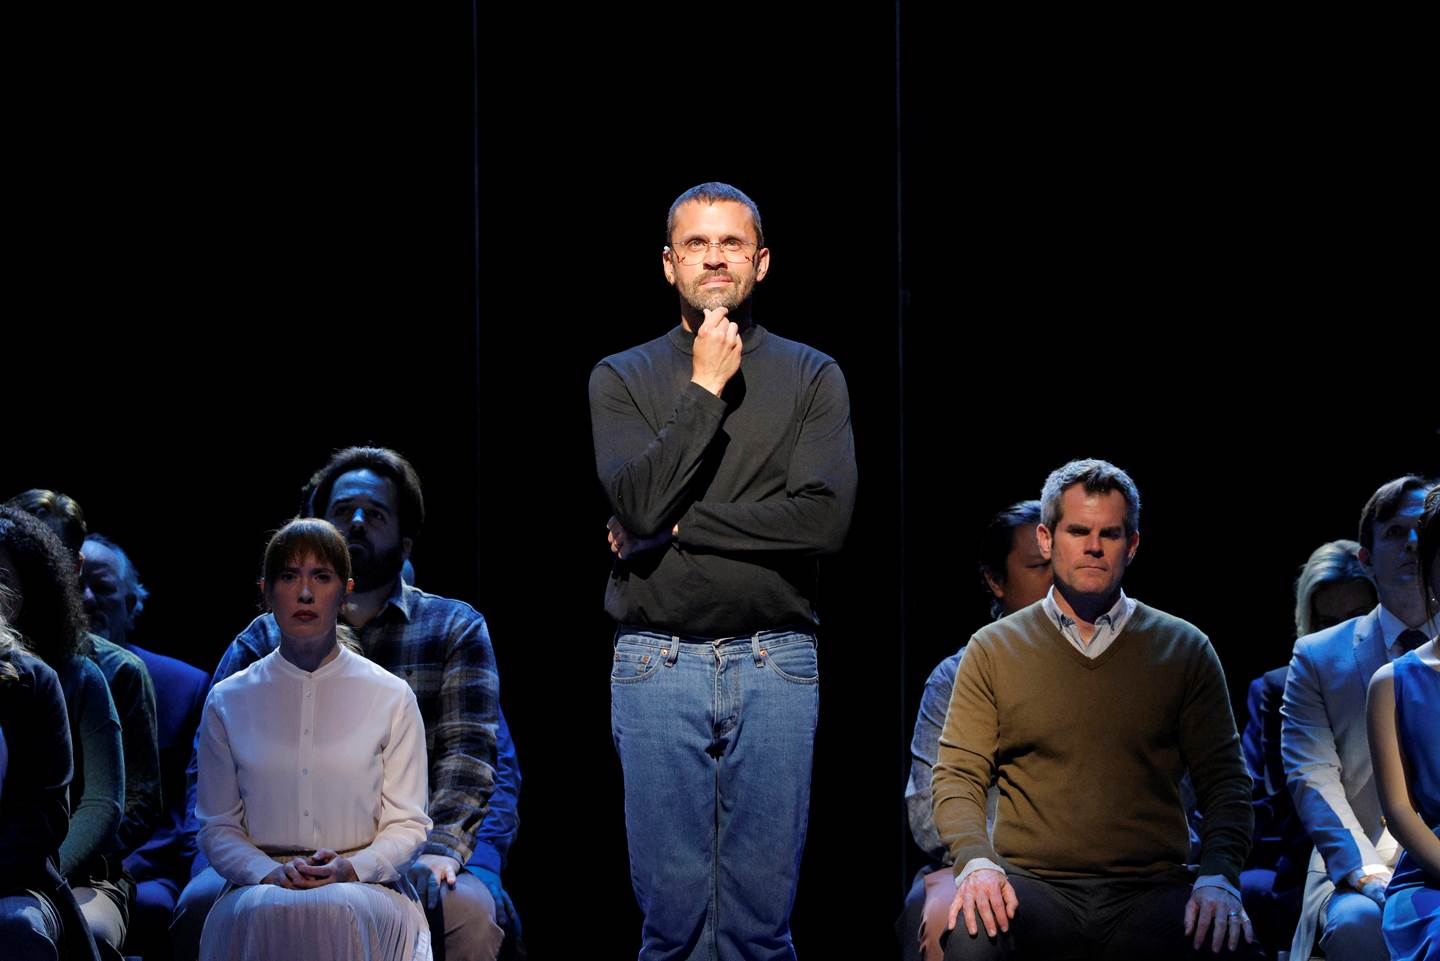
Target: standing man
[[727, 458], [441, 647], [1086, 710], [1323, 735]]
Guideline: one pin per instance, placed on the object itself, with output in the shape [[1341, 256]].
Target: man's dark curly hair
[[51, 621], [386, 463]]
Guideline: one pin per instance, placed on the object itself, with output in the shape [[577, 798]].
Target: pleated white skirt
[[338, 922]]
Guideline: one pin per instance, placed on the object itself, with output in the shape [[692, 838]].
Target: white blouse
[[294, 760]]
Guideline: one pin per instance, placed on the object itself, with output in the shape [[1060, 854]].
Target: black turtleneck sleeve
[[760, 480]]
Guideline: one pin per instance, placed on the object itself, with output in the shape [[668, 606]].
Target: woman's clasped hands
[[321, 868]]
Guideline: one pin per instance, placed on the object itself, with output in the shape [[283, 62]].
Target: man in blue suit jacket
[[160, 866], [1323, 737]]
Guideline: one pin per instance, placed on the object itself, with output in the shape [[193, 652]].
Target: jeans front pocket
[[794, 660], [635, 660]]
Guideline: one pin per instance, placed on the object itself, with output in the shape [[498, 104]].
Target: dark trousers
[[1091, 919], [910, 916]]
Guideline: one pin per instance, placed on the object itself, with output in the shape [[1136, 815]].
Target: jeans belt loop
[[674, 651], [755, 650]]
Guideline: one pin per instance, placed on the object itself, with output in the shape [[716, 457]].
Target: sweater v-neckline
[[1093, 663]]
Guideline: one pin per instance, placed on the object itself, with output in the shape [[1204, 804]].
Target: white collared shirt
[[1391, 627], [1107, 626]]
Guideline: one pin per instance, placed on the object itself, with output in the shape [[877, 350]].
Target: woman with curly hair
[[38, 914], [1404, 726], [48, 614]]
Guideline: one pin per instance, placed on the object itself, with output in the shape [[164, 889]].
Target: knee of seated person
[[25, 935], [470, 896], [153, 898], [1352, 909], [188, 921], [960, 946], [202, 891], [471, 933], [1352, 924]]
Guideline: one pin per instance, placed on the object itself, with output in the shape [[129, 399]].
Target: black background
[[247, 238]]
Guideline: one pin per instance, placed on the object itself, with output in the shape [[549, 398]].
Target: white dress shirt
[[1107, 626], [1391, 627], [293, 760]]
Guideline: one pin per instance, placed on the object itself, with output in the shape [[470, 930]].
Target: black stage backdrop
[[249, 239]]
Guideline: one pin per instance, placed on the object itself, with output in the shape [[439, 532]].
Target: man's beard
[[730, 297], [372, 570], [100, 624]]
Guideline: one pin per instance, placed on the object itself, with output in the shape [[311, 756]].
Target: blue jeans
[[715, 740]]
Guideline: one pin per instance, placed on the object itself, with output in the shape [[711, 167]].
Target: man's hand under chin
[[717, 351]]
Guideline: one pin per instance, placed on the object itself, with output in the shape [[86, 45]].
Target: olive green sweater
[[1089, 753]]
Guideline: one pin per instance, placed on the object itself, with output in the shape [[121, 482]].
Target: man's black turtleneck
[[760, 480]]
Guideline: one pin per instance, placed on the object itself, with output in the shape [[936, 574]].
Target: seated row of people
[[1360, 606], [135, 720]]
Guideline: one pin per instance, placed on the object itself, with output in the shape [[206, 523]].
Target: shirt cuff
[[486, 856], [1216, 881], [435, 845], [977, 864], [1354, 876], [372, 868]]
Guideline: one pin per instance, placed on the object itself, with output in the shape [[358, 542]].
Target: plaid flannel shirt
[[441, 648]]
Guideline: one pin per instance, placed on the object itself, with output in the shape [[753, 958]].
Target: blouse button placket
[[306, 759]]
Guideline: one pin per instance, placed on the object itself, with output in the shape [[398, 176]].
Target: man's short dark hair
[[996, 543], [1429, 545], [711, 193], [1383, 504], [62, 513], [1098, 477], [386, 463]]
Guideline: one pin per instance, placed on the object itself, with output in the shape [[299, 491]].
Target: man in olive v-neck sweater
[[1087, 709]]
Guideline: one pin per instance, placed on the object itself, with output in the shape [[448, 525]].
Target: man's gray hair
[[1098, 477], [129, 577]]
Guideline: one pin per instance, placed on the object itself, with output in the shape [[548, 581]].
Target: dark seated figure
[[1274, 875], [1333, 587], [38, 914], [160, 865], [1014, 576]]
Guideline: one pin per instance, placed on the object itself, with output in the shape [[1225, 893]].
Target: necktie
[[1411, 639]]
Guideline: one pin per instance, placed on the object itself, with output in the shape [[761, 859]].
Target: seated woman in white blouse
[[312, 788]]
